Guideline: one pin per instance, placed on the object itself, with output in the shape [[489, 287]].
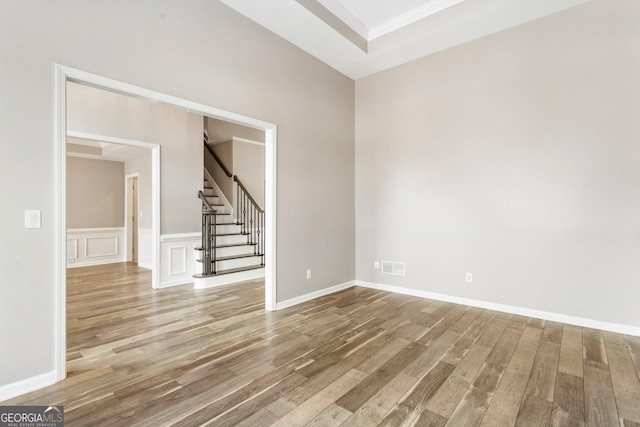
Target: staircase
[[232, 247]]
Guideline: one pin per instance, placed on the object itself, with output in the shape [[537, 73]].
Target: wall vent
[[395, 268]]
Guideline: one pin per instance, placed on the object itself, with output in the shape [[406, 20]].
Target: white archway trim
[[64, 74]]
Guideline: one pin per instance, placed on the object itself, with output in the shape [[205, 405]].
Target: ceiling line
[[335, 22]]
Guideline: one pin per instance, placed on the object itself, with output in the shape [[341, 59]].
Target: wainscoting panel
[[144, 248], [95, 246], [178, 258], [100, 247]]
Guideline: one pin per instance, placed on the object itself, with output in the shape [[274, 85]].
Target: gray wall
[[248, 165], [224, 151], [516, 158], [161, 45], [141, 164], [178, 133], [219, 130], [241, 158], [95, 193]]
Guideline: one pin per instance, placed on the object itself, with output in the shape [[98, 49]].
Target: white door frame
[[64, 74]]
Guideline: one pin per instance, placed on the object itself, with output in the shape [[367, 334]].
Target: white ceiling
[[362, 37]]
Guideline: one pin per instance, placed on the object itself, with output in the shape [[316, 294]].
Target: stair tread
[[237, 270], [232, 245], [231, 234], [227, 258], [232, 257]]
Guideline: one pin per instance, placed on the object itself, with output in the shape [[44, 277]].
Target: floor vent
[[395, 268]]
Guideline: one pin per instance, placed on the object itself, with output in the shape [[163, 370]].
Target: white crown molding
[[347, 17], [410, 17], [408, 37]]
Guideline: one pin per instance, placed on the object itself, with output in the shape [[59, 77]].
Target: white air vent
[[395, 268]]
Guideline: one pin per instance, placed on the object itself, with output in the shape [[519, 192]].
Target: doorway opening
[[66, 74]]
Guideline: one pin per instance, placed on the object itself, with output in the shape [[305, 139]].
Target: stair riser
[[227, 228], [230, 240], [235, 250], [237, 263], [219, 209]]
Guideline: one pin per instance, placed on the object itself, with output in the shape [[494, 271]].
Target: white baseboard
[[18, 388], [538, 314], [313, 295], [171, 283], [227, 279], [92, 263]]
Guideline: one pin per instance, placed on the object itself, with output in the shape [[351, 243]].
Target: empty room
[[442, 224]]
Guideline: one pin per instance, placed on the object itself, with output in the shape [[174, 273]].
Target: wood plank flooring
[[179, 356]]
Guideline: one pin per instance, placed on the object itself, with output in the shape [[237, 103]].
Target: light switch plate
[[32, 219]]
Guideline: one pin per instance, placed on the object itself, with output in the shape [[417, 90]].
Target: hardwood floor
[[180, 356]]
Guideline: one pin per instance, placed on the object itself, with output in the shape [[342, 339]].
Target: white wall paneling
[[95, 246], [145, 246], [178, 258]]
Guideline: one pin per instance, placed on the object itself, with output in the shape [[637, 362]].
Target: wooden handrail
[[215, 157], [236, 179]]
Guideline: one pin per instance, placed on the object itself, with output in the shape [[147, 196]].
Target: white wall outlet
[[468, 277], [376, 265], [309, 274]]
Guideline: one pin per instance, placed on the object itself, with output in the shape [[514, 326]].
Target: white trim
[[237, 139], [538, 314], [60, 262], [28, 385], [80, 76], [347, 17], [95, 230], [410, 17], [111, 139], [64, 73], [271, 180], [86, 156], [227, 279], [176, 282], [313, 295], [219, 192], [179, 236]]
